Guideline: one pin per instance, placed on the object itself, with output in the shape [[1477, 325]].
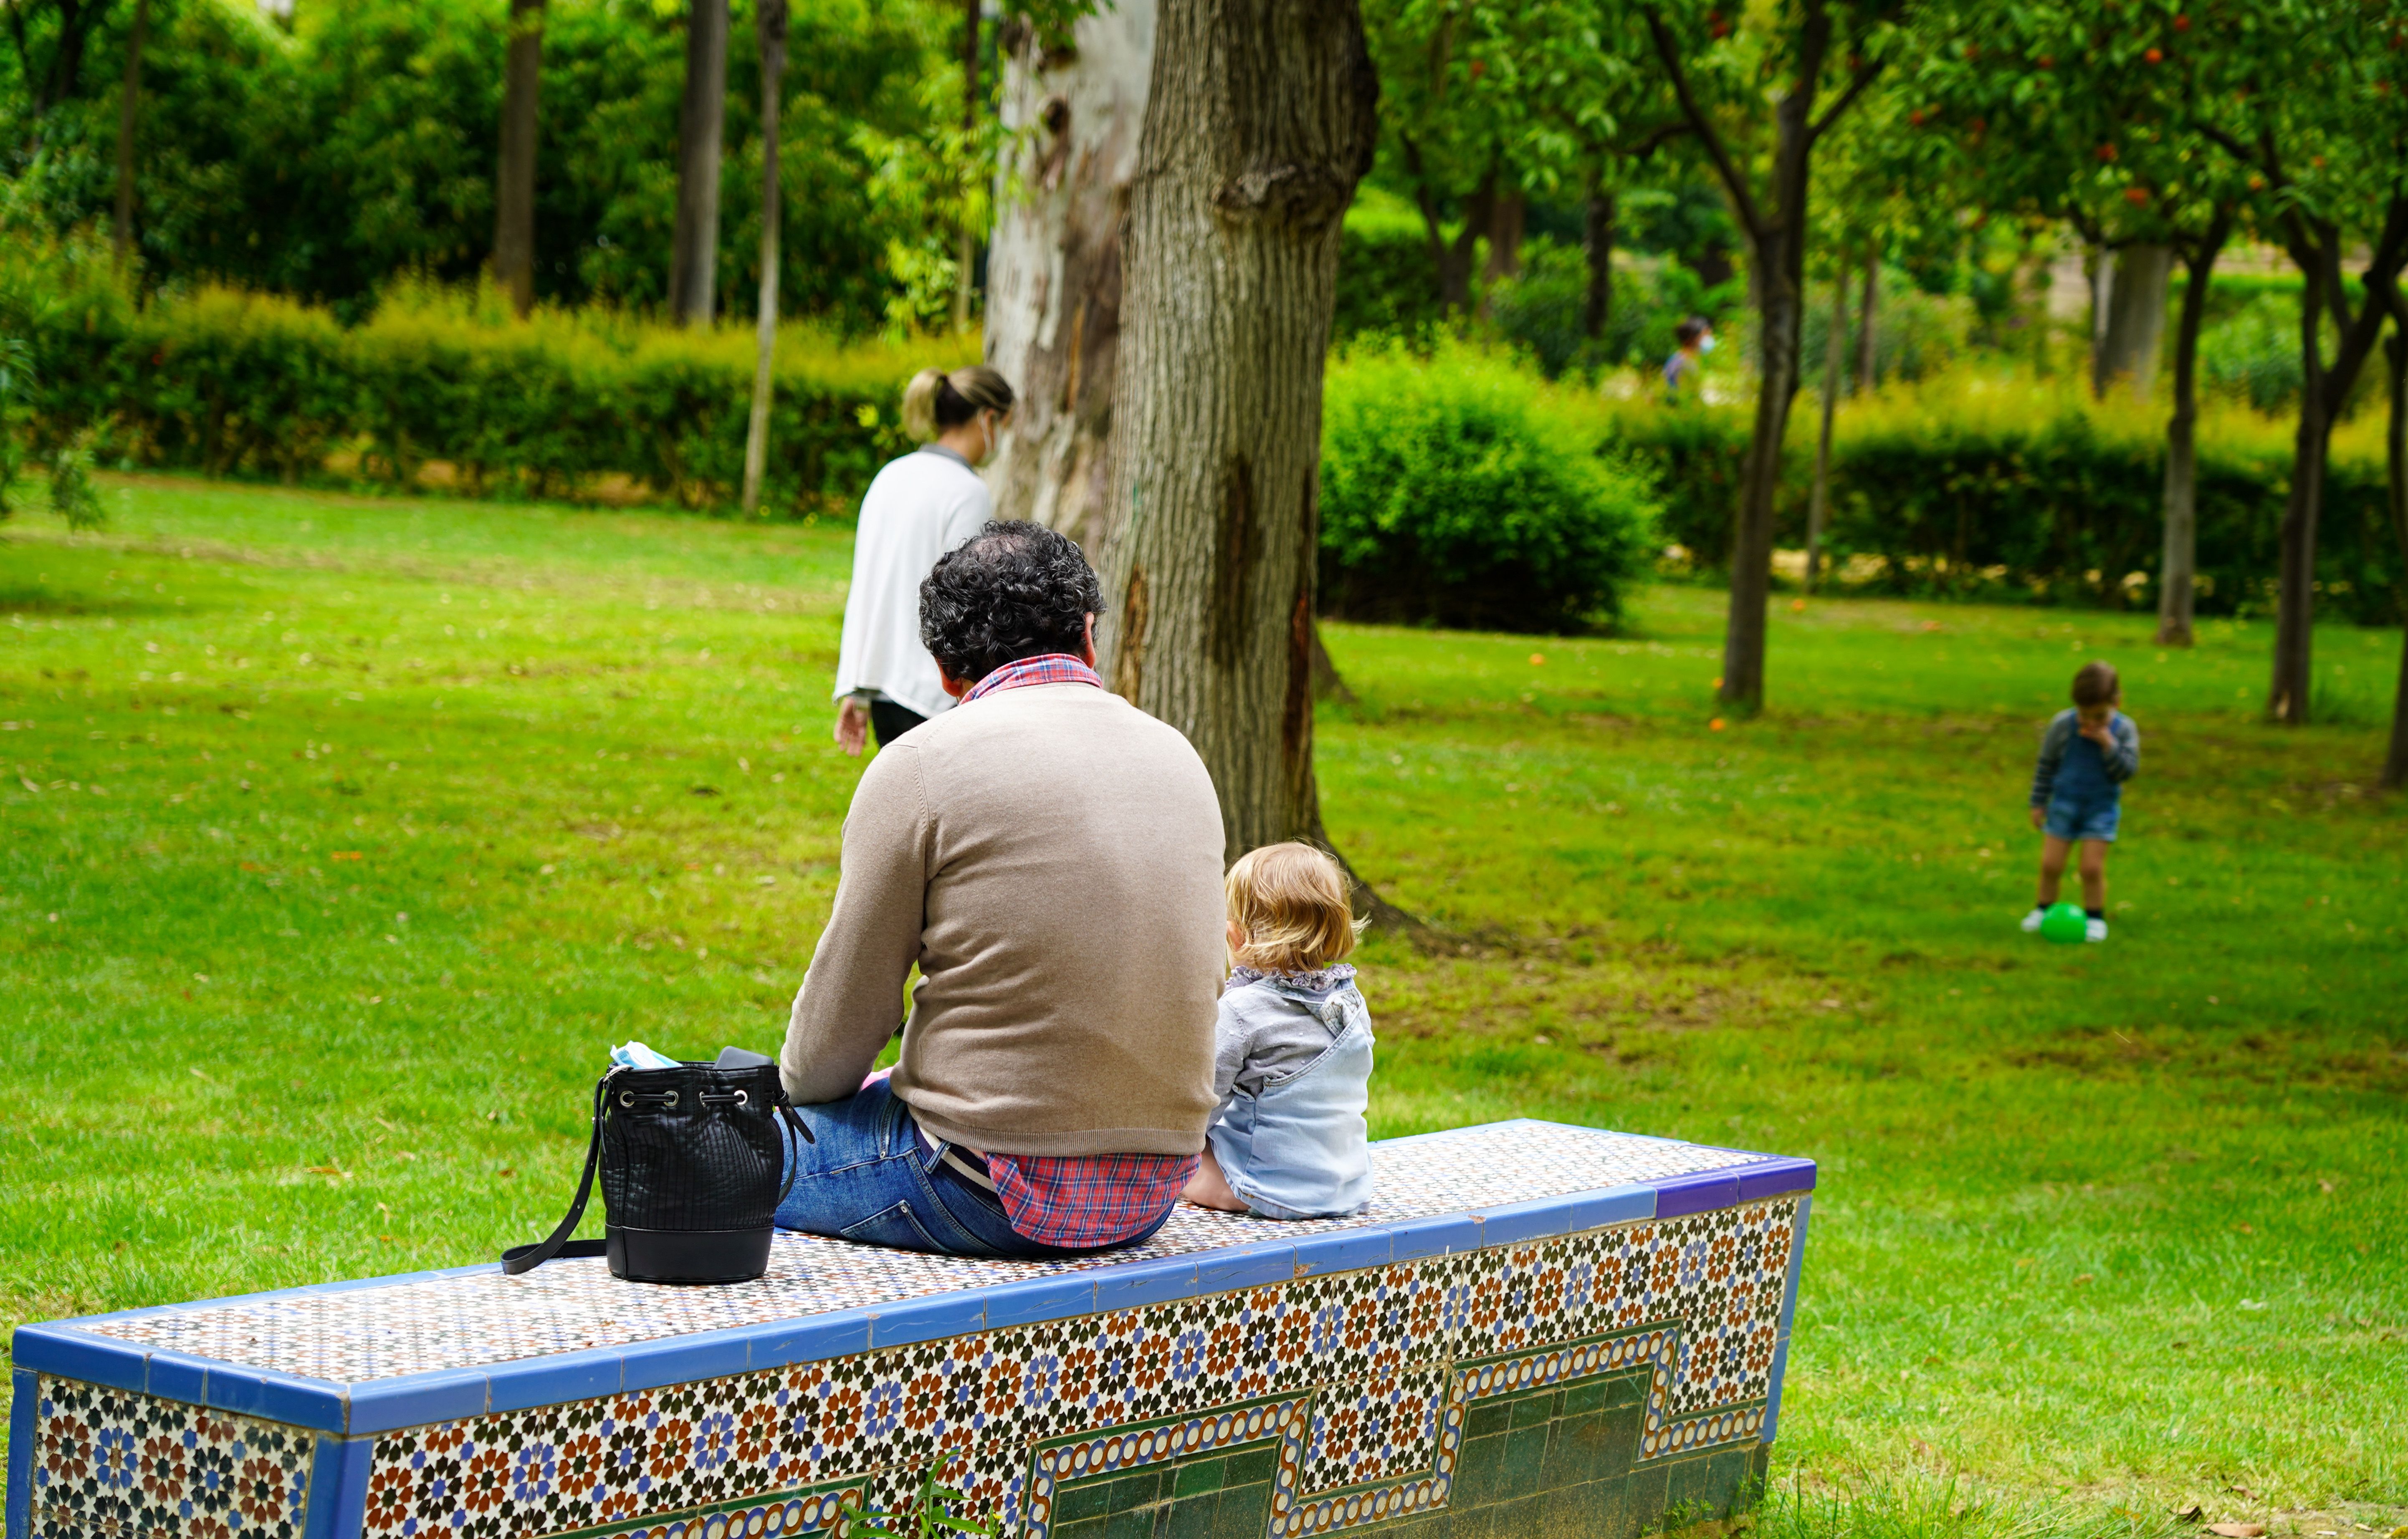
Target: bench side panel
[[1378, 1372]]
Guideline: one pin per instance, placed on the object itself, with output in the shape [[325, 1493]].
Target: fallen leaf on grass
[[2237, 1530], [2189, 1515]]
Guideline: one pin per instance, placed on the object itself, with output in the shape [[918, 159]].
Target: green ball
[[2064, 923]]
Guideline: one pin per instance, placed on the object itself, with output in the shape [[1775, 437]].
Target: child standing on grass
[[2077, 794], [1292, 1058]]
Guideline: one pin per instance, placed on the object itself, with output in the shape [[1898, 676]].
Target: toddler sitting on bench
[[1292, 1058]]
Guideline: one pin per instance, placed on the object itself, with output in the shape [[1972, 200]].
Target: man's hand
[[853, 726], [2040, 818]]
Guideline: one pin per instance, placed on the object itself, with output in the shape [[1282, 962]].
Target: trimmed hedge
[[1459, 495], [1999, 491], [241, 384]]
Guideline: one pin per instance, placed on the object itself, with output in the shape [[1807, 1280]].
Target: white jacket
[[919, 507]]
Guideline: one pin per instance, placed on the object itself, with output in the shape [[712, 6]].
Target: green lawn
[[339, 839]]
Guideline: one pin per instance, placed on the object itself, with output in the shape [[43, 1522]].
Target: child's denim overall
[[1299, 1148]]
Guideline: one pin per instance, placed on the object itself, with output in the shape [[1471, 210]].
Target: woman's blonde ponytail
[[920, 404], [934, 400]]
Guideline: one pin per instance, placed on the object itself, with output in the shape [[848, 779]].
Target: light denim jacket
[[1296, 1145]]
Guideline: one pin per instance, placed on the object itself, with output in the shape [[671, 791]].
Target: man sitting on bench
[[1050, 856]]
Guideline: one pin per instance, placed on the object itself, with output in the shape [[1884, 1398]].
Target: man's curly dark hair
[[1011, 590]]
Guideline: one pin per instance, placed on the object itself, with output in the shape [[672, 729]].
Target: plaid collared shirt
[[1077, 1201], [1044, 668]]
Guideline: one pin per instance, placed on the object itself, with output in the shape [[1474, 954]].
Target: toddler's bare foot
[[1208, 1187]]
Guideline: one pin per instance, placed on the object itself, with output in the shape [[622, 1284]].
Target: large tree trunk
[[966, 240], [514, 187], [770, 20], [121, 228], [1598, 245], [2178, 570], [1259, 122], [1834, 375], [1053, 264], [694, 243], [2395, 458], [2134, 324]]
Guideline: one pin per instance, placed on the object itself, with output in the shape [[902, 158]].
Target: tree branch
[[1702, 127], [1847, 98], [1647, 144], [2359, 336]]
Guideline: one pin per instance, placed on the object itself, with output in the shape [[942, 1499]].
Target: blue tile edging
[[63, 1349], [24, 1385]]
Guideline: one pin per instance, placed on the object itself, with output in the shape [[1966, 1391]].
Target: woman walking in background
[[919, 507]]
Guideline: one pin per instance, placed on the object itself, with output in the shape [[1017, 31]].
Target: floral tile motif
[[1374, 1368], [1375, 1429], [114, 1462], [361, 1334]]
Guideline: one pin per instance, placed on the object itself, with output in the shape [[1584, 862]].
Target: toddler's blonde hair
[[1291, 901]]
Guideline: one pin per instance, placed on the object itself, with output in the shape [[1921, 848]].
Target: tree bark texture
[[2134, 325], [769, 21], [121, 227], [2178, 568], [1596, 242], [2395, 456], [966, 240], [1259, 120], [514, 185], [1834, 379], [1053, 265], [694, 242]]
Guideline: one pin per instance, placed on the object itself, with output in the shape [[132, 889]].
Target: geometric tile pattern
[[369, 1332], [109, 1461], [1361, 1379], [1085, 1455]]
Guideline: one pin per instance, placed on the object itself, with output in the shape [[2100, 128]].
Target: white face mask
[[1706, 343]]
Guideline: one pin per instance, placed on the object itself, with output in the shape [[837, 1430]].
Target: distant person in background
[[919, 507], [2077, 792], [1694, 338]]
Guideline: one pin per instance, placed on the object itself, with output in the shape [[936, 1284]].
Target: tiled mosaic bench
[[1535, 1329]]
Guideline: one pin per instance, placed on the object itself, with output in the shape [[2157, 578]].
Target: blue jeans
[[871, 1178]]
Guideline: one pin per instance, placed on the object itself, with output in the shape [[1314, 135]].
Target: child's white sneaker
[[2095, 929], [2032, 921]]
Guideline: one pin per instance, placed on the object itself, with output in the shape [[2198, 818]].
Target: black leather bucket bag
[[691, 1159]]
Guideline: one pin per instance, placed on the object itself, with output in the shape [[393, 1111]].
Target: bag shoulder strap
[[527, 1257]]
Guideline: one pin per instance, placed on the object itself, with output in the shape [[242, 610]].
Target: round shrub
[[1454, 494]]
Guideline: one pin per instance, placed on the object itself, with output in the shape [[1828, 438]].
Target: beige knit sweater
[[1051, 857]]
